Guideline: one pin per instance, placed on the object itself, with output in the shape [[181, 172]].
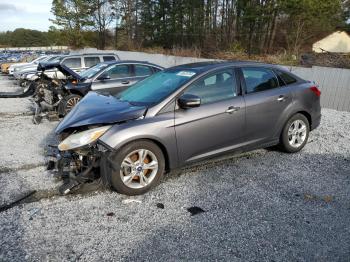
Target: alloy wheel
[[297, 133], [139, 168]]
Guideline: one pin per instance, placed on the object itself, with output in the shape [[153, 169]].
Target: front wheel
[[70, 102], [137, 168], [295, 133]]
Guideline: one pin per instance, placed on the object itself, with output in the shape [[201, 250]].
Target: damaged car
[[61, 95], [50, 98], [180, 116]]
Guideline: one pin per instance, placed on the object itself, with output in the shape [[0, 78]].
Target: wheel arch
[[302, 112], [307, 115]]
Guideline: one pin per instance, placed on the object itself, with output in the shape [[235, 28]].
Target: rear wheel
[[295, 133], [137, 168]]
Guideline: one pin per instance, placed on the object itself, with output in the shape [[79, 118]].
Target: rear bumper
[[316, 121]]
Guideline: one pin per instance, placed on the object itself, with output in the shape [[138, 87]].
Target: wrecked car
[[50, 98], [111, 77], [180, 116]]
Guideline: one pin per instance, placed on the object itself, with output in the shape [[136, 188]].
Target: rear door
[[218, 124], [120, 77], [265, 103]]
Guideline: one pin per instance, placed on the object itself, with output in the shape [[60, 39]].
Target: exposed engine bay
[[79, 166], [51, 99]]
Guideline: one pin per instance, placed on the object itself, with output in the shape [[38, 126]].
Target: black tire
[[285, 143], [114, 176], [69, 102]]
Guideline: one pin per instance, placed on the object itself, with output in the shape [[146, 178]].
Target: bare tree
[[103, 16]]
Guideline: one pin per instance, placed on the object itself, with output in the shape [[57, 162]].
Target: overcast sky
[[30, 14]]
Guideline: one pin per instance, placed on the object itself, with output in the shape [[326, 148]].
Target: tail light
[[315, 90]]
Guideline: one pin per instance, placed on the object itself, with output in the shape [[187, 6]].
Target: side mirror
[[189, 101], [104, 77]]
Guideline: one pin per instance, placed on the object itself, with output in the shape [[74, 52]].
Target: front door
[[218, 124]]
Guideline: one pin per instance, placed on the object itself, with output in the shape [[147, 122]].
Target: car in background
[[20, 71], [77, 63], [12, 59], [112, 77], [18, 66], [180, 116]]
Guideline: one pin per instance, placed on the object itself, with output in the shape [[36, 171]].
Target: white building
[[338, 42]]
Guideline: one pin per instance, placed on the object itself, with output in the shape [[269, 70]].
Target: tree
[[73, 16], [103, 15], [305, 20]]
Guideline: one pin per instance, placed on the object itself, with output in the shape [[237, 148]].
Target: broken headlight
[[82, 138]]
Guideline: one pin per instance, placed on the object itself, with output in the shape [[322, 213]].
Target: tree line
[[251, 26]]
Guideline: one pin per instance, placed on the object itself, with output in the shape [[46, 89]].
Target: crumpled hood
[[96, 108]]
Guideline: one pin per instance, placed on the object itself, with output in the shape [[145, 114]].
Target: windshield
[[154, 89], [92, 71]]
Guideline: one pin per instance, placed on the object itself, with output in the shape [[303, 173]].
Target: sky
[[29, 14]]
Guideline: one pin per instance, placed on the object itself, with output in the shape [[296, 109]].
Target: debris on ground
[[160, 205], [195, 210]]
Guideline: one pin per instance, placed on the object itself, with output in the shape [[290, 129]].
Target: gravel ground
[[259, 206]]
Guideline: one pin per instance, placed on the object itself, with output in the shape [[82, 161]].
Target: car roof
[[131, 62], [89, 54], [208, 65]]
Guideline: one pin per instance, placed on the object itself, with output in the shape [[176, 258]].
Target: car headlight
[[82, 138]]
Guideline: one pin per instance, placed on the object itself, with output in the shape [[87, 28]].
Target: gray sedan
[[183, 115]]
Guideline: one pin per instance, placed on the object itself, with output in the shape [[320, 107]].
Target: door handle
[[232, 109], [281, 98], [125, 82]]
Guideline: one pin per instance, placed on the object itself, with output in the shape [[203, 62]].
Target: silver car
[[182, 115]]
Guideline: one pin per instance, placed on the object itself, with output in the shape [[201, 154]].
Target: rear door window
[[118, 71], [142, 70], [109, 58], [91, 61], [259, 79], [74, 62]]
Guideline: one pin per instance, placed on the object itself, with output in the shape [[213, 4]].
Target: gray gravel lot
[[260, 206]]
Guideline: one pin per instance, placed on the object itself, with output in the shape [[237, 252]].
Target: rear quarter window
[[142, 70], [286, 78], [109, 58], [156, 69]]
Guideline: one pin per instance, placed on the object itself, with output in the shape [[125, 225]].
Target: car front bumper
[[78, 167]]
